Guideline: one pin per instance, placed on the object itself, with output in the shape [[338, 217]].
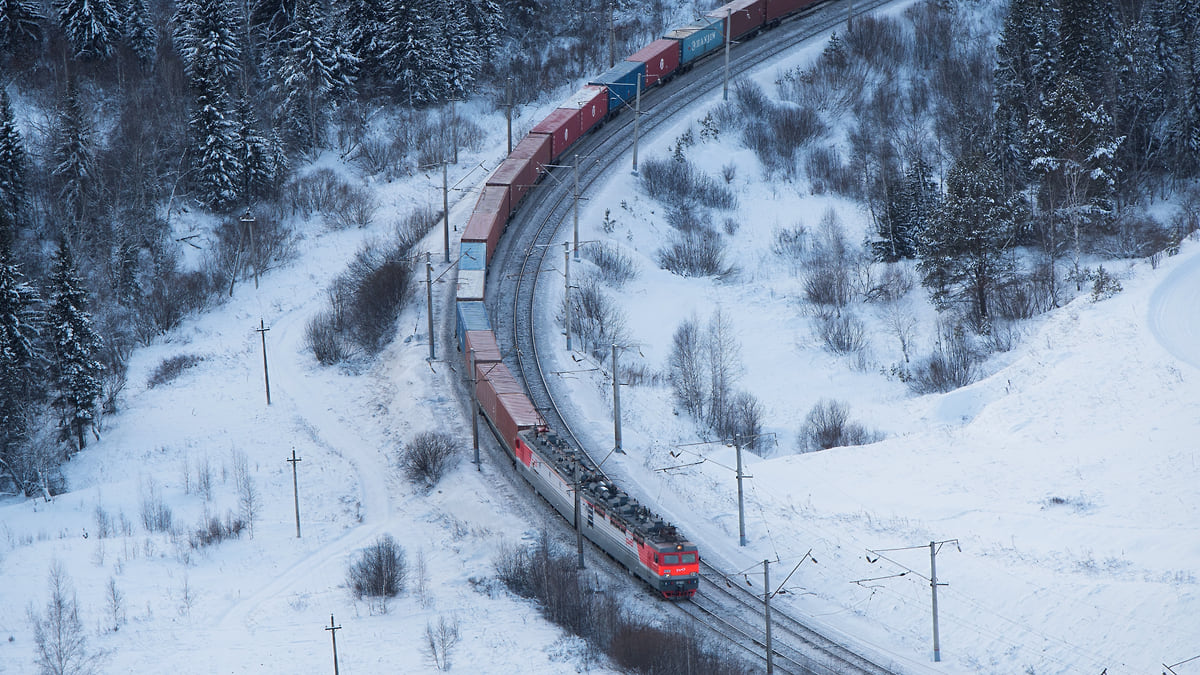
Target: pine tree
[[1026, 66], [139, 32], [1087, 34], [310, 69], [20, 319], [963, 253], [1072, 149], [20, 27], [73, 350], [254, 155], [74, 157], [208, 42], [215, 158], [362, 26], [12, 172], [911, 204], [458, 42], [410, 55], [487, 22], [92, 27]]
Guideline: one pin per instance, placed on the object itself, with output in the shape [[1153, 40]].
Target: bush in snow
[[324, 340], [1104, 285], [171, 368], [428, 457], [616, 268], [379, 281], [698, 253], [841, 333], [677, 182], [379, 571], [828, 425], [596, 319], [951, 365]]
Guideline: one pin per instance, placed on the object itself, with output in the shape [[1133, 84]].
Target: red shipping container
[[745, 16], [510, 413], [592, 104], [485, 227], [502, 379], [661, 58], [517, 175], [535, 147], [561, 126], [494, 199], [487, 352], [778, 8]]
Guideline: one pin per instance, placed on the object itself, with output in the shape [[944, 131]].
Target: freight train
[[651, 548]]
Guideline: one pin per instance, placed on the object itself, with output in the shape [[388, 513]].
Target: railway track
[[533, 246]]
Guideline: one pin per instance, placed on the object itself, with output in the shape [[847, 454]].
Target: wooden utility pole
[[262, 330], [737, 444], [248, 221], [429, 301], [333, 629], [446, 213], [767, 612], [295, 489], [508, 111], [616, 404]]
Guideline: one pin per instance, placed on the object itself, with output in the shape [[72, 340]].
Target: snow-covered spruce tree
[[964, 252], [310, 69], [139, 32], [73, 350], [1178, 51], [20, 382], [92, 27], [215, 163], [412, 54], [361, 29], [487, 20], [256, 158], [12, 172], [911, 203], [20, 27], [1087, 34], [207, 39], [1072, 149], [1026, 66], [74, 171], [458, 42]]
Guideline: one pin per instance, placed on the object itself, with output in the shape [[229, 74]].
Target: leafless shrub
[[156, 515], [104, 523], [171, 368], [790, 244], [428, 456], [685, 366], [59, 637], [247, 247], [595, 318], [729, 172], [378, 155], [895, 282], [879, 41], [932, 31], [751, 101], [679, 183], [170, 297], [1022, 296], [323, 192], [249, 501], [901, 321], [952, 364], [744, 421], [841, 333], [327, 344], [615, 267], [411, 228], [115, 604], [356, 208], [694, 254], [379, 571], [828, 285], [778, 133], [379, 281], [213, 530], [828, 425], [828, 172], [833, 85], [440, 641]]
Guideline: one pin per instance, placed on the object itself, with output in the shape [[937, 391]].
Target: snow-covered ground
[[1067, 474]]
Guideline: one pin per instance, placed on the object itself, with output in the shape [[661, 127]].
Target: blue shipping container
[[471, 316], [621, 81], [699, 38], [473, 255]]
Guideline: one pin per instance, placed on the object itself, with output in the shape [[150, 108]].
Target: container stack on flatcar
[[648, 546]]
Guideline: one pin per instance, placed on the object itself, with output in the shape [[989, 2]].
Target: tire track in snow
[[322, 423], [1174, 312]]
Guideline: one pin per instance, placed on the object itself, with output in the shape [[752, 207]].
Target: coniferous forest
[[117, 116]]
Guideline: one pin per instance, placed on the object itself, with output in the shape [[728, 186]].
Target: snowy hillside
[[1066, 474]]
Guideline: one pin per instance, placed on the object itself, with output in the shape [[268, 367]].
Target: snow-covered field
[[1067, 474]]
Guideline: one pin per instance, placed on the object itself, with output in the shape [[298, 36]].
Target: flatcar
[[648, 546]]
